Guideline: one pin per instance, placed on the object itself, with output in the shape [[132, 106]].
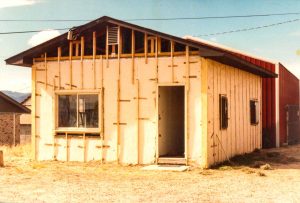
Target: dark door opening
[[292, 124], [171, 121]]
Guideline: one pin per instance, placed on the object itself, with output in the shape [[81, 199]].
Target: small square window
[[223, 112], [254, 112]]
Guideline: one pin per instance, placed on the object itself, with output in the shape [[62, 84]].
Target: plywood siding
[[240, 87], [135, 139], [136, 111]]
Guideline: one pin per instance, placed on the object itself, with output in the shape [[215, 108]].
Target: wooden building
[[287, 90], [280, 98], [25, 122], [10, 111], [114, 91]]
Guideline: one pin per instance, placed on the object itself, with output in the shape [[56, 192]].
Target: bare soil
[[271, 175]]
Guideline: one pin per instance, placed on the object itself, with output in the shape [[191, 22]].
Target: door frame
[[185, 118]]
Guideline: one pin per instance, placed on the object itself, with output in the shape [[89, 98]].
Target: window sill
[[78, 130]]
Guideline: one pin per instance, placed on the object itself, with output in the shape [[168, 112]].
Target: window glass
[[254, 112], [67, 105], [83, 107], [223, 112], [88, 111]]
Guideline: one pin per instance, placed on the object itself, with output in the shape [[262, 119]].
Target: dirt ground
[[246, 179]]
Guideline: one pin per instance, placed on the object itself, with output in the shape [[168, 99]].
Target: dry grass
[[260, 173], [24, 180], [18, 151], [262, 159], [248, 170]]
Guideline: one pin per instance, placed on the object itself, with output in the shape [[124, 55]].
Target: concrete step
[[172, 161]]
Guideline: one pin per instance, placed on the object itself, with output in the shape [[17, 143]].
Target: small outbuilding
[[114, 91], [10, 111]]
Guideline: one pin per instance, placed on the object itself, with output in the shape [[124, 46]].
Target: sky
[[277, 43]]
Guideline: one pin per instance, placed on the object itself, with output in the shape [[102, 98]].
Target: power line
[[28, 31], [217, 33], [216, 17], [45, 20], [156, 19], [249, 29]]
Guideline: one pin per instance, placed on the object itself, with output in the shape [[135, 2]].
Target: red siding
[[288, 94]]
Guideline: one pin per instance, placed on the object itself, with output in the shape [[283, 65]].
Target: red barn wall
[[288, 94], [269, 109]]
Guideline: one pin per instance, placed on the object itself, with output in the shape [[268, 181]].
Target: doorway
[[171, 121]]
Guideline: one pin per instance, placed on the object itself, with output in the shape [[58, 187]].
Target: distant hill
[[18, 96]]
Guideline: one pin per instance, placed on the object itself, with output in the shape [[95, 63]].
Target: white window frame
[[78, 129]]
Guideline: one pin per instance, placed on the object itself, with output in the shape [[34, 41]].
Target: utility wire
[[157, 19], [249, 29], [217, 33], [216, 17], [28, 31]]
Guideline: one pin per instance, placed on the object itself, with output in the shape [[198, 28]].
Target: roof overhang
[[26, 58], [237, 62], [229, 49]]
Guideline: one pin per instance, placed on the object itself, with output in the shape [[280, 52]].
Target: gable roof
[[25, 58], [9, 105], [26, 99]]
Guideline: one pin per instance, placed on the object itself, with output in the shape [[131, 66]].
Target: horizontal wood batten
[[63, 58]]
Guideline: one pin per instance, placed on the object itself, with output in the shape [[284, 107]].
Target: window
[[67, 115], [254, 112], [78, 110], [223, 112]]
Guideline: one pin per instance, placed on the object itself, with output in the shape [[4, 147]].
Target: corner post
[[277, 92], [33, 112], [204, 107]]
